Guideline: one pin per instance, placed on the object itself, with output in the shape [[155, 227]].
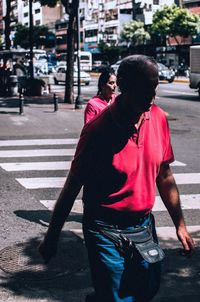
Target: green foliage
[[134, 33], [174, 21], [110, 52], [40, 34]]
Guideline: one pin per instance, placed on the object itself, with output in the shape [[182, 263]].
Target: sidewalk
[[23, 277], [67, 279]]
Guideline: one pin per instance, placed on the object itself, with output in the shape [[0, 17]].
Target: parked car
[[59, 75], [102, 66], [116, 66], [96, 64], [51, 68], [165, 74]]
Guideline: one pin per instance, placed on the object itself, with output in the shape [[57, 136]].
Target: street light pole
[[79, 99], [31, 38]]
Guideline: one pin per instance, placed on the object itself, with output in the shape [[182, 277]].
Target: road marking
[[36, 153], [38, 142], [47, 166], [178, 92], [58, 182], [36, 166], [188, 202], [187, 178], [166, 234], [178, 164], [77, 207]]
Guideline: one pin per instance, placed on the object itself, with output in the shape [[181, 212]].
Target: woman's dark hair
[[104, 77]]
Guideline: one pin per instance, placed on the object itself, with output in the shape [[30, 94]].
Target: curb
[[181, 81]]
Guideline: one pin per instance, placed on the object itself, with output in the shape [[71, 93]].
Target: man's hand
[[186, 240], [47, 250]]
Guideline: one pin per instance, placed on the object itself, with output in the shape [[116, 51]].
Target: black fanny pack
[[140, 240]]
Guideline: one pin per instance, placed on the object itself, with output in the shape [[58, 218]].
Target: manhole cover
[[23, 261]]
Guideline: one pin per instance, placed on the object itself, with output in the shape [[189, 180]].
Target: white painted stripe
[[42, 182], [177, 163], [58, 182], [38, 142], [178, 92], [36, 166], [36, 153], [77, 207], [46, 166], [166, 234], [187, 178], [188, 202]]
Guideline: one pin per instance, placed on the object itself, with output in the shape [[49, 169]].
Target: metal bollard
[[55, 99], [21, 103]]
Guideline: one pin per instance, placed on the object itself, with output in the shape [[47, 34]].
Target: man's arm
[[62, 208], [169, 193]]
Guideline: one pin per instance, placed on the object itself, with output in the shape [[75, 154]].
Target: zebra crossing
[[28, 155]]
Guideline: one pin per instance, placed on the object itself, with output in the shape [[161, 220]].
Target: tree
[[71, 8], [40, 36], [110, 52], [7, 21], [134, 33], [173, 21]]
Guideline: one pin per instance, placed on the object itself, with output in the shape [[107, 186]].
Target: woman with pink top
[[105, 95]]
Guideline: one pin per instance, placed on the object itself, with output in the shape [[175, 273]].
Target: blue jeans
[[115, 278]]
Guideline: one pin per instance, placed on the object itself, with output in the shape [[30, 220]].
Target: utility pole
[[133, 10], [79, 100], [31, 38]]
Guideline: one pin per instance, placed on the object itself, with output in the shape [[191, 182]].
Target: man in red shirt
[[120, 158]]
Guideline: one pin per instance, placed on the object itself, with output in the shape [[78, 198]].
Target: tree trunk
[[69, 87], [7, 24], [71, 34]]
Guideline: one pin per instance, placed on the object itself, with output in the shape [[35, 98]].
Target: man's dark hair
[[136, 71], [104, 77]]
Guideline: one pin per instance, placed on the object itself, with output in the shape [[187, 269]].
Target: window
[[37, 22], [156, 2], [25, 15], [37, 11]]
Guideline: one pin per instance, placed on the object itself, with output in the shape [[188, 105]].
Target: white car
[[59, 75]]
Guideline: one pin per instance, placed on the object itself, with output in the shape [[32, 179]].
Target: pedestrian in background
[[105, 95], [120, 158]]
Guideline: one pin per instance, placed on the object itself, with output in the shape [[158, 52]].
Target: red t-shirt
[[118, 166], [94, 107]]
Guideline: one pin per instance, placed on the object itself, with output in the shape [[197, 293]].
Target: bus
[[194, 74], [85, 60]]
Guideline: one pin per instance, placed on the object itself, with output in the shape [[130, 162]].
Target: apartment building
[[42, 15], [104, 19]]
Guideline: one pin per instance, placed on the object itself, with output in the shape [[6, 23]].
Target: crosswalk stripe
[[36, 152], [187, 178], [38, 142], [178, 164], [36, 166], [46, 166], [165, 234], [58, 182], [77, 207], [188, 202]]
